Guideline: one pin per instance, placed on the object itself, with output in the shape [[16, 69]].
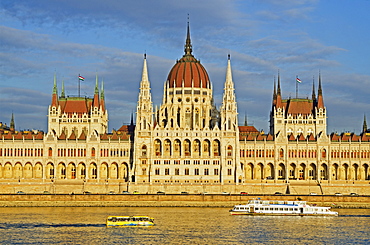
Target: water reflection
[[69, 225]]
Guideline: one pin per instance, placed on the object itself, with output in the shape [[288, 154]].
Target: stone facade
[[186, 144]]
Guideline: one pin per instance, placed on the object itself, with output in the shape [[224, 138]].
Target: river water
[[78, 225]]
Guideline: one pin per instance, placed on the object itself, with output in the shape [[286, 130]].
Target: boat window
[[256, 208], [281, 209], [285, 209]]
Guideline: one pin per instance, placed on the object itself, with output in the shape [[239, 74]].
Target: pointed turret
[[320, 99], [63, 95], [54, 99], [229, 108], [188, 48], [144, 115], [274, 94], [96, 94], [364, 125], [278, 94], [313, 90], [102, 97], [12, 124]]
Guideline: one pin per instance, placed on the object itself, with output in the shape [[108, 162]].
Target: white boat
[[268, 207], [129, 221]]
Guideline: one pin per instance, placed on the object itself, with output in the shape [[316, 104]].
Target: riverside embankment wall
[[169, 200], [252, 187]]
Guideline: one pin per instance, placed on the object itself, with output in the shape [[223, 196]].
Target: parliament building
[[186, 144]]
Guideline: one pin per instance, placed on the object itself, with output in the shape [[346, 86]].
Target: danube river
[[69, 225]]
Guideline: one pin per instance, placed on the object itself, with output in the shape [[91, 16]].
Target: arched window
[[50, 152], [229, 151], [143, 151], [93, 152]]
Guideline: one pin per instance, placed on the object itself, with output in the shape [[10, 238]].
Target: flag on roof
[[298, 80], [81, 78]]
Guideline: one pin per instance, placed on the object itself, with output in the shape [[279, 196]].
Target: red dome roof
[[188, 71]]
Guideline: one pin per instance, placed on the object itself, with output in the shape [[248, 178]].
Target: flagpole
[[79, 86], [296, 87]]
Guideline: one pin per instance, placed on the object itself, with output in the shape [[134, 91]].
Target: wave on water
[[38, 225]]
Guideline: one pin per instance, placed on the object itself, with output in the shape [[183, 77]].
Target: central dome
[[188, 72]]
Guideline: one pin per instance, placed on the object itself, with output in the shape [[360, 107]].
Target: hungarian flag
[[81, 78], [298, 80]]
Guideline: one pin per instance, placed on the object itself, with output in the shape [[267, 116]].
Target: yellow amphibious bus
[[129, 221]]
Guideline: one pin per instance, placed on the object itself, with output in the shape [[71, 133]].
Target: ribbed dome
[[188, 71]]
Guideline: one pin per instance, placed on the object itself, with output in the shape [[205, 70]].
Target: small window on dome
[[196, 99], [179, 99], [188, 99]]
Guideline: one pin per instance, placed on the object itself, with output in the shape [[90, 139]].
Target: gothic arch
[[270, 172], [206, 148], [335, 171], [259, 171], [28, 171], [196, 148], [312, 171], [93, 171], [324, 173], [113, 171], [302, 174], [50, 170], [158, 147], [8, 170], [71, 171], [18, 171], [81, 171], [216, 148], [38, 170], [249, 171], [124, 171], [281, 171], [104, 171], [177, 148], [61, 170], [292, 171]]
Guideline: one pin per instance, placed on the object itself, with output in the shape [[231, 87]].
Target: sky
[[304, 38]]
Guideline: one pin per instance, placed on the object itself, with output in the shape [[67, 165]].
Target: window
[[206, 171], [157, 171], [196, 171], [177, 171], [186, 171], [215, 171], [229, 171], [167, 171]]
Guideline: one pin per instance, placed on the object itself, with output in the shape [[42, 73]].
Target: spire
[[102, 96], [55, 90], [54, 97], [278, 89], [102, 91], [278, 94], [96, 84], [364, 125], [245, 120], [229, 106], [63, 95], [96, 95], [274, 94], [12, 124], [320, 102], [313, 89], [188, 48], [144, 76], [229, 77]]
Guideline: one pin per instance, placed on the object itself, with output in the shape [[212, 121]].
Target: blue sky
[[40, 38]]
